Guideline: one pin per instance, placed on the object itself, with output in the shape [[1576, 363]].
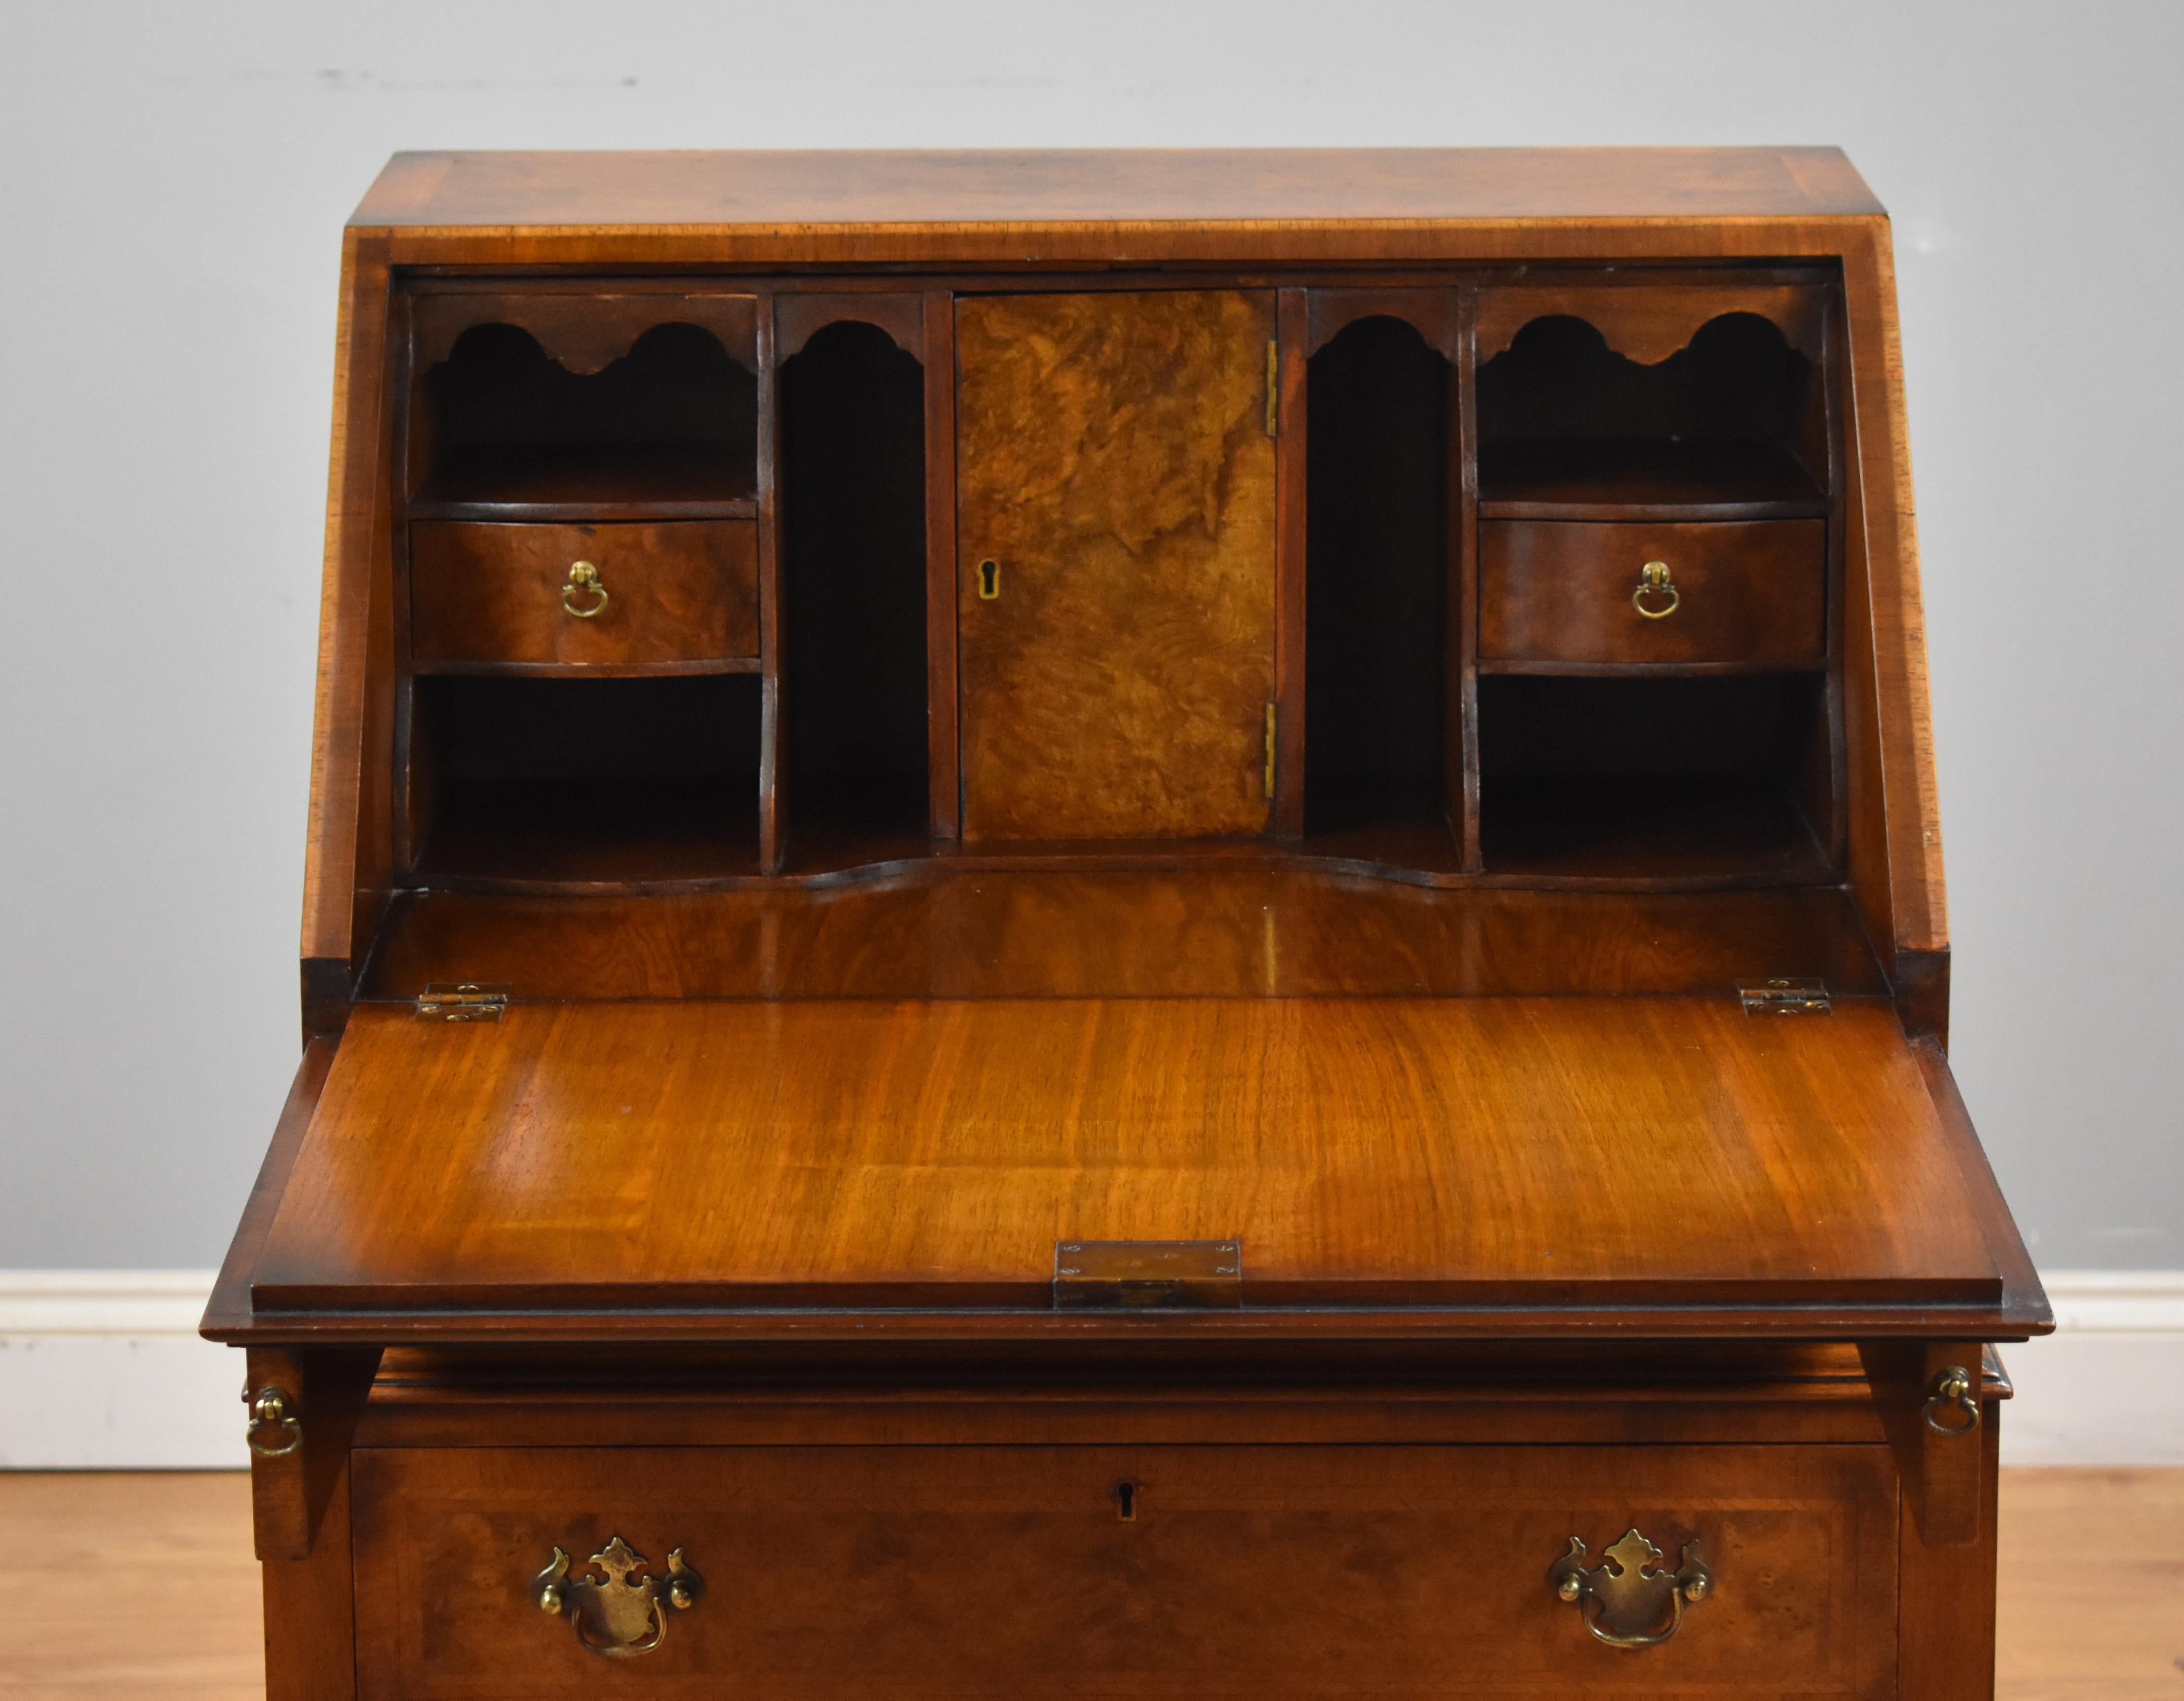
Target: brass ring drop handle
[[1629, 1601], [1653, 581], [584, 582], [626, 1615], [274, 1431], [1952, 1392]]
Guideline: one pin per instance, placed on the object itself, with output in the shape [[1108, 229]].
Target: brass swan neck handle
[[626, 1614], [1630, 1601]]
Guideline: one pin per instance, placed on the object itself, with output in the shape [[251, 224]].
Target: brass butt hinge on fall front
[[1785, 998], [462, 1001]]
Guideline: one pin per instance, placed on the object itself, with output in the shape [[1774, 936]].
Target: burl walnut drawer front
[[1720, 591], [682, 590], [1183, 1571]]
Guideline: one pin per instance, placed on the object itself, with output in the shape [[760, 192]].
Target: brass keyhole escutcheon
[[584, 585], [1654, 583], [989, 582]]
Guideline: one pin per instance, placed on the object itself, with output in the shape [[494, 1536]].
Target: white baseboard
[[103, 1369]]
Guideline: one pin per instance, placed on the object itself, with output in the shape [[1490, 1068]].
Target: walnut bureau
[[1155, 923]]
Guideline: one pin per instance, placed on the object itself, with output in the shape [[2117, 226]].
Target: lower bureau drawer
[[602, 596], [1184, 1571], [1726, 591]]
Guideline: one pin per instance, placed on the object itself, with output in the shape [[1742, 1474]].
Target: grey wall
[[174, 186]]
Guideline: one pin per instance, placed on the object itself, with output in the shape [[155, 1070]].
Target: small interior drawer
[[602, 596], [1725, 591], [1159, 1570]]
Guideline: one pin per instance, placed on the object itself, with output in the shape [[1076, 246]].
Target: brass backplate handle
[[274, 1431], [584, 583], [625, 1615], [1629, 1601], [1953, 1392], [1654, 582]]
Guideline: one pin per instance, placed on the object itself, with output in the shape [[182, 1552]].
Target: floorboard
[[141, 1585]]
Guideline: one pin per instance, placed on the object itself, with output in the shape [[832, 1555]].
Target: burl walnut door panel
[[1117, 660], [1013, 1571]]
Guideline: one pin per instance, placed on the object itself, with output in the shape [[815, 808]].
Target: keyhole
[[989, 580], [1126, 1501]]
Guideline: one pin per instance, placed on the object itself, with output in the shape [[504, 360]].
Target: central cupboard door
[[1115, 513]]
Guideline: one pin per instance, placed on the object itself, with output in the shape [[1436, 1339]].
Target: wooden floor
[[142, 1586]]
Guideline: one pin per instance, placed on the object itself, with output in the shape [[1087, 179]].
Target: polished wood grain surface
[[682, 592], [1647, 319], [2092, 1568], [1046, 933], [1034, 186], [1114, 463], [348, 851], [582, 325], [1895, 820], [1273, 1571], [1752, 591], [793, 1105], [1459, 1152]]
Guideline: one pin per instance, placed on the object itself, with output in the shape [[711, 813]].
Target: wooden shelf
[[661, 669], [578, 835], [589, 482], [1600, 828], [1604, 479], [1696, 670]]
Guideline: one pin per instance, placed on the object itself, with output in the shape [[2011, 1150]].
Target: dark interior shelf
[[1548, 478], [518, 832], [584, 782], [1648, 827], [1724, 778], [1383, 825]]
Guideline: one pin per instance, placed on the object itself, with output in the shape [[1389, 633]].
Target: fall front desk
[[1123, 924]]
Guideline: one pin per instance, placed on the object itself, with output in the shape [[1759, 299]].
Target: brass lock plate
[[1148, 1275]]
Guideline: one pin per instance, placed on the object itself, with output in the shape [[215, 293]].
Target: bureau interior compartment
[[853, 587], [500, 420], [1376, 582], [1733, 417], [522, 781], [1677, 778]]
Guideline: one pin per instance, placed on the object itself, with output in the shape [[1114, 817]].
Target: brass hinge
[[1273, 734], [1147, 1275], [462, 1001], [1274, 389], [1785, 998]]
